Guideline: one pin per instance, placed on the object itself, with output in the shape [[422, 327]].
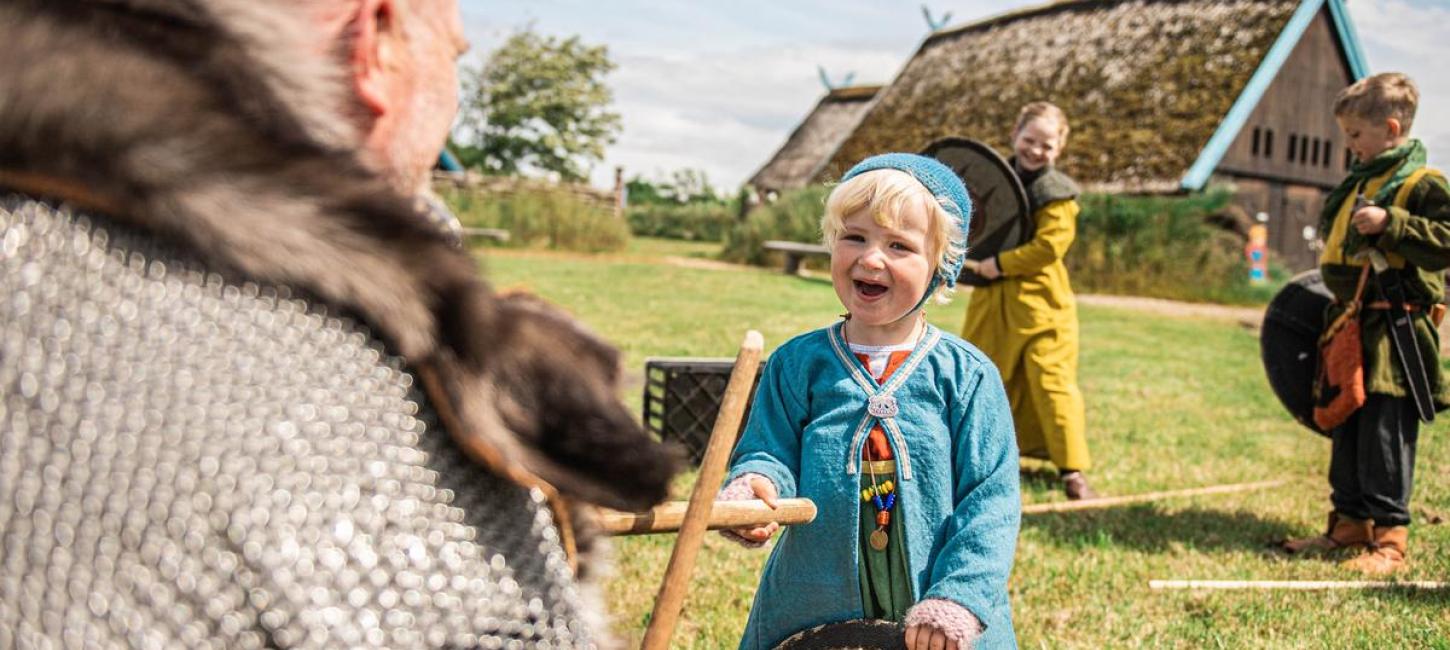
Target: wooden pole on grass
[[1108, 502], [1296, 585], [671, 598]]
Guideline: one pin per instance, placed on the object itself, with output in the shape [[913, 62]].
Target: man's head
[[1375, 113], [400, 58]]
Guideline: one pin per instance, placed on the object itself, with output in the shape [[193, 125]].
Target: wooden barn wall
[[1290, 151], [1297, 137]]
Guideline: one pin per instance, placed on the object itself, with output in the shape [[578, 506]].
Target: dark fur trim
[[1051, 185], [200, 132]]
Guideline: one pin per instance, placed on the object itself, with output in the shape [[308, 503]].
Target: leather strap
[[1355, 304], [1385, 304], [54, 187]]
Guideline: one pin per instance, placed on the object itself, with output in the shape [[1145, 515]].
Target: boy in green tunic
[[1371, 468]]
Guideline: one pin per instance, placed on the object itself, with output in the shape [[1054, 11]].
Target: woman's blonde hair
[[1049, 110], [886, 194]]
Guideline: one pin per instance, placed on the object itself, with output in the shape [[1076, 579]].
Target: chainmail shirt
[[190, 460]]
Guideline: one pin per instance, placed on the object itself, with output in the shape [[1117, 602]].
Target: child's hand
[[765, 491], [1370, 220], [926, 637], [988, 269], [941, 624]]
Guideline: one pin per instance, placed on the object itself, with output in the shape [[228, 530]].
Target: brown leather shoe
[[1341, 533], [1386, 554], [1077, 488]]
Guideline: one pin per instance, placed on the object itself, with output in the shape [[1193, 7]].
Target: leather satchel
[[1339, 384]]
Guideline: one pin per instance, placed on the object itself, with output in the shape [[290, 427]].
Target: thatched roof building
[[1162, 95], [817, 137]]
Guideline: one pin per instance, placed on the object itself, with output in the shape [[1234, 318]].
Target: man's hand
[[926, 637], [765, 491], [1370, 220]]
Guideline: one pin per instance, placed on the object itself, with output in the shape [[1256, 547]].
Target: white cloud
[[1413, 38], [719, 86], [724, 112]]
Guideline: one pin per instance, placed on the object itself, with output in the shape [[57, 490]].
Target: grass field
[[1172, 403]]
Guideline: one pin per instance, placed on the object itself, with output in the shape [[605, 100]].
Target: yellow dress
[[1027, 323]]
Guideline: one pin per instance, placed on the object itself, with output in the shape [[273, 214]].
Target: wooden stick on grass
[[1296, 585], [1108, 502], [671, 598]]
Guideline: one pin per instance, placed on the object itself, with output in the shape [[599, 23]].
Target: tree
[[692, 186], [684, 186], [538, 102]]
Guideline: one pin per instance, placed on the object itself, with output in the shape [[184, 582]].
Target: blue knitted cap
[[943, 183]]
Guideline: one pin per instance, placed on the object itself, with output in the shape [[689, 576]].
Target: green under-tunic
[[885, 582]]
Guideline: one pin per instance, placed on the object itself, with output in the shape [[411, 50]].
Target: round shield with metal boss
[[1289, 343], [849, 635], [1001, 216]]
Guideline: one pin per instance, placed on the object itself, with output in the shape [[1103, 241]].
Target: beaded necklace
[[882, 495]]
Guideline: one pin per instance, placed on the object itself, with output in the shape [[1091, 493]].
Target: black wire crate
[[682, 398]]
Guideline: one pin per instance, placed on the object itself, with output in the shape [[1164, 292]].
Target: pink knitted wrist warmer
[[957, 622], [739, 490]]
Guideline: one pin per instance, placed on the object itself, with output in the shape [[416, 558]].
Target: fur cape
[[200, 121]]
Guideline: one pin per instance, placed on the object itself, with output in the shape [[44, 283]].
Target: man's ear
[[372, 52], [1396, 129]]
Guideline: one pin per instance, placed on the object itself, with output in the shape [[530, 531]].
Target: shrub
[[541, 217], [691, 221], [1162, 246], [1156, 246], [795, 216]]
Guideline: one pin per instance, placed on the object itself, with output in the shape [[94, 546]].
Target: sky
[[718, 85]]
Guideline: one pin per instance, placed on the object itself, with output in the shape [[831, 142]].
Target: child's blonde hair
[[1049, 110], [1380, 97], [886, 193]]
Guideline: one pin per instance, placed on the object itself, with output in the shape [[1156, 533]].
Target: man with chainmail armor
[[249, 395]]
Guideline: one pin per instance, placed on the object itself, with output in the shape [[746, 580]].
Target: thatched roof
[[816, 137], [1145, 83]]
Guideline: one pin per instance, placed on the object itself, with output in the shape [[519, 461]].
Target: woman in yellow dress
[[1026, 320]]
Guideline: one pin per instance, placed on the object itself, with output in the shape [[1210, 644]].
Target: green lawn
[[1172, 403]]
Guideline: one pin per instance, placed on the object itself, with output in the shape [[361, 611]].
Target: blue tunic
[[957, 476]]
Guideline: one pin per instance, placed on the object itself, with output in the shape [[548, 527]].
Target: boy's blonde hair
[[1050, 110], [1380, 97], [886, 193]]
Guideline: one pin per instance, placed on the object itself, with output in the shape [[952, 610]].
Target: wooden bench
[[795, 252], [495, 234]]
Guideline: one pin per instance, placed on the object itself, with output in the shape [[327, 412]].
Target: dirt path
[[708, 265], [1249, 317]]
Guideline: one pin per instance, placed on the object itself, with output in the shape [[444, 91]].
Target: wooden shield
[[1289, 343], [1001, 217], [849, 635]]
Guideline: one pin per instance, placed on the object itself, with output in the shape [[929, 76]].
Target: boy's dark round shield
[[1289, 343], [849, 635], [1001, 218]]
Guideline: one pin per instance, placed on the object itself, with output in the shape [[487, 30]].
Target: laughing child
[[900, 433]]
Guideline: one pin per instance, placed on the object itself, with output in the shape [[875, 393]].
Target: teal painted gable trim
[[1349, 40], [1238, 114], [1268, 69]]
